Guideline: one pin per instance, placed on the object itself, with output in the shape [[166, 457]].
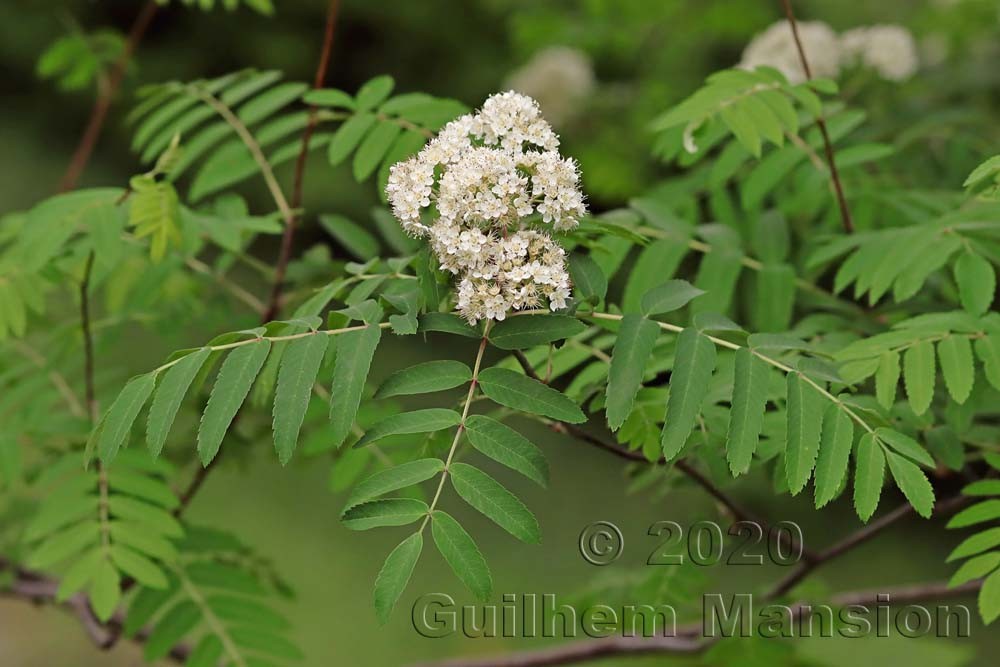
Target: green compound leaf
[[491, 498], [385, 512], [887, 378], [869, 475], [955, 355], [393, 479], [977, 282], [355, 350], [805, 407], [231, 388], [668, 297], [117, 423], [462, 555], [912, 481], [516, 333], [507, 447], [633, 347], [987, 510], [169, 396], [418, 421], [425, 378], [299, 367], [750, 380], [905, 445], [918, 376], [395, 574], [834, 453], [520, 392], [694, 362]]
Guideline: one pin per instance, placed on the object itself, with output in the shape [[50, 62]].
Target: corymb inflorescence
[[487, 192]]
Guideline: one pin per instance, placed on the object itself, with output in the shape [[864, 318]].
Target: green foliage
[[980, 548], [78, 60], [110, 525], [217, 596], [739, 238], [754, 105], [260, 6]]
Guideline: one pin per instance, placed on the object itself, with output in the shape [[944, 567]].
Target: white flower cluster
[[469, 191], [560, 78], [888, 49], [775, 47]]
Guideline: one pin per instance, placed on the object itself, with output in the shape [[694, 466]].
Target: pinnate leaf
[[235, 378], [694, 362], [355, 350], [300, 364], [869, 475], [516, 333], [424, 378], [746, 417], [634, 345], [520, 392], [508, 447], [395, 574], [491, 498], [168, 397], [462, 554]]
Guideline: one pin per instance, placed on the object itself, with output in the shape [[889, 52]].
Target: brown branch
[[90, 395], [36, 588], [285, 254], [738, 512], [856, 539], [105, 96], [845, 213], [274, 304]]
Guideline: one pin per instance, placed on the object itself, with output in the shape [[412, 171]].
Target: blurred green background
[[643, 56]]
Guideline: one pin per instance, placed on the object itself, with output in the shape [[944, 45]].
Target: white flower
[[888, 49], [481, 178], [560, 78], [775, 47]]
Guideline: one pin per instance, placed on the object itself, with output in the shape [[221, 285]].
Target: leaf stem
[[773, 362], [287, 214], [473, 384]]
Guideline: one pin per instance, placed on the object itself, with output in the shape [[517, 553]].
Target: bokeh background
[[633, 58]]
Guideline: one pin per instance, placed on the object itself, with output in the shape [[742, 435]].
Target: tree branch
[[856, 539], [290, 216], [274, 304], [845, 213], [36, 588], [735, 509], [105, 96]]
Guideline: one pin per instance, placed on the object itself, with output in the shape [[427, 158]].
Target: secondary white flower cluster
[[560, 78], [888, 49], [469, 190], [775, 47]]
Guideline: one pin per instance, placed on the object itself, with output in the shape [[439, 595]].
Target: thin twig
[[845, 214], [856, 539], [287, 210], [738, 512], [105, 96], [284, 256], [88, 341]]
